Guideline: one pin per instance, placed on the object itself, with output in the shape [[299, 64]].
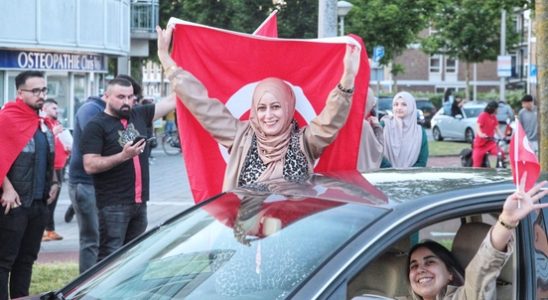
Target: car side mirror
[[459, 116]]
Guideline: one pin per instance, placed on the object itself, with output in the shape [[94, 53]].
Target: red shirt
[[487, 124]]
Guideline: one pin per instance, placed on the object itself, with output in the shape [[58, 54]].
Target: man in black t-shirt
[[119, 166]]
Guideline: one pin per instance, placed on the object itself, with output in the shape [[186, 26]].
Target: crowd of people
[[109, 170]]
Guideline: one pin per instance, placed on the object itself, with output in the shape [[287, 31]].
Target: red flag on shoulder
[[523, 159], [269, 27], [229, 64], [18, 123]]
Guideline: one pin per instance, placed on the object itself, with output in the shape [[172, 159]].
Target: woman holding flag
[[270, 144]]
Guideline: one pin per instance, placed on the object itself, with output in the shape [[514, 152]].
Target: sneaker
[[45, 236], [51, 236], [69, 214]]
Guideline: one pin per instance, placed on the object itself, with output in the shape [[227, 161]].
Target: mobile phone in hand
[[138, 139]]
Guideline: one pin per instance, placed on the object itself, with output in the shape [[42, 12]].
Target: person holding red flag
[[270, 144], [26, 177]]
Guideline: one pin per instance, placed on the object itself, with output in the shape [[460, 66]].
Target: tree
[[469, 30], [541, 21], [393, 24]]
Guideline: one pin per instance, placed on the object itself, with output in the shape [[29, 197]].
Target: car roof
[[401, 185], [382, 186]]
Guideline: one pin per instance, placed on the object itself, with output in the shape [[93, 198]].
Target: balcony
[[144, 18]]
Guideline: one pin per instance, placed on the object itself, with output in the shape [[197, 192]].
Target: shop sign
[[37, 60]]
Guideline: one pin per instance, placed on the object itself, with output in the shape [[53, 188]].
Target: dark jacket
[[21, 173]]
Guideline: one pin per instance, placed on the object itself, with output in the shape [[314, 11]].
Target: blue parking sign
[[378, 53]]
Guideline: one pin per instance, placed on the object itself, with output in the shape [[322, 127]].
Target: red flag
[[229, 64], [19, 122], [269, 27], [523, 158]]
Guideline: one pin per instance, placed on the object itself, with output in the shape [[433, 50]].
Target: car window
[[473, 112], [387, 275], [541, 253], [232, 247]]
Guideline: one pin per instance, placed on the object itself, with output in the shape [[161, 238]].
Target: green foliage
[[436, 100], [470, 30], [393, 24], [51, 276], [296, 19]]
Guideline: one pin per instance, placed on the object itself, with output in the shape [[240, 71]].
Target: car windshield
[[249, 246], [473, 112]]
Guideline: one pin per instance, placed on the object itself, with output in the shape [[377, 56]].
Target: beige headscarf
[[272, 149], [403, 137], [371, 146]]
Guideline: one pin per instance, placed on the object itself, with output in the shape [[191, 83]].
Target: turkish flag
[[230, 64], [523, 158], [269, 27]]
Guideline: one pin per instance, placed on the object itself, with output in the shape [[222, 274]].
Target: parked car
[[384, 107], [428, 109], [323, 238], [459, 127]]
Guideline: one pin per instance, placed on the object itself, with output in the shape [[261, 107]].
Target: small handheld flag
[[523, 158]]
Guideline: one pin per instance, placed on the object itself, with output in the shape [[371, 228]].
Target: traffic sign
[[504, 66], [533, 73], [378, 53]]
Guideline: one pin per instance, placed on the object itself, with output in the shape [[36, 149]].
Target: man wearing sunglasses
[[26, 177]]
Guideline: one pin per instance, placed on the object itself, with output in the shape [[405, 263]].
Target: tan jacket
[[236, 135]]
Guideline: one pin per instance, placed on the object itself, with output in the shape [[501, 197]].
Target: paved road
[[169, 195]]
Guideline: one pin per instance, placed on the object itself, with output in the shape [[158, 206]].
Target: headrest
[[467, 241]]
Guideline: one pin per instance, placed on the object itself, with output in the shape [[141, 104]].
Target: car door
[[370, 249], [449, 130], [540, 252]]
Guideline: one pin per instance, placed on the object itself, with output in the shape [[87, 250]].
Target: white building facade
[[70, 40]]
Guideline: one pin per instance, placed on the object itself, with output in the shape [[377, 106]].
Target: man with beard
[[115, 157], [26, 177], [61, 155], [81, 189]]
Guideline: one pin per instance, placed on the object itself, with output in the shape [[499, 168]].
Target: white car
[[460, 127]]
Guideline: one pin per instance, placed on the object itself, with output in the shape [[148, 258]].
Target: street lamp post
[[343, 7]]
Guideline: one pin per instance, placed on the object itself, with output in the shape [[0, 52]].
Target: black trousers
[[20, 237], [50, 225]]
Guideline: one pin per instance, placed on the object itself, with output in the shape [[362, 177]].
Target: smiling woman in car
[[434, 272]]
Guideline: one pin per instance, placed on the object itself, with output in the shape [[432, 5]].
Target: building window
[[435, 64], [450, 65]]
